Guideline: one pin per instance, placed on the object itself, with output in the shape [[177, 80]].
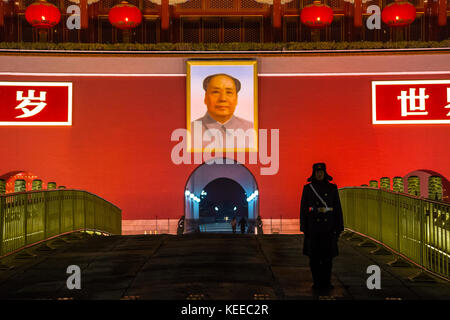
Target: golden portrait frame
[[246, 68]]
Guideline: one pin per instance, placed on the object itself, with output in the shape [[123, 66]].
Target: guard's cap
[[320, 166]]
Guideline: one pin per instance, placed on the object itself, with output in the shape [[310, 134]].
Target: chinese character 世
[[413, 109]]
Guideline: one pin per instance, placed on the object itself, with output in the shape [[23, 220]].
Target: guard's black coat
[[321, 229]]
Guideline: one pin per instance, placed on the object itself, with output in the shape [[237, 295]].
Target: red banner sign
[[35, 103], [409, 102]]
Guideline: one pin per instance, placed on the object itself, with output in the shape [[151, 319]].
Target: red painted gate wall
[[119, 145]]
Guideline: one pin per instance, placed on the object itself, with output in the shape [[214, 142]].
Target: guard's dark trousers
[[321, 271]]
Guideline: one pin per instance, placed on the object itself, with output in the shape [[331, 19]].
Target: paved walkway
[[203, 266]]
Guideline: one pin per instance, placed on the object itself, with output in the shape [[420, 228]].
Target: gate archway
[[210, 171]]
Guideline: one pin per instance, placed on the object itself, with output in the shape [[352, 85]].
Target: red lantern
[[398, 14], [316, 15], [125, 16], [42, 14]]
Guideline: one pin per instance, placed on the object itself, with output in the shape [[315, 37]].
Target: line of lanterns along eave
[[192, 196]]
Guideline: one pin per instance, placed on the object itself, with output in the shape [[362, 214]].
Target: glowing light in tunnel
[[253, 196], [192, 196]]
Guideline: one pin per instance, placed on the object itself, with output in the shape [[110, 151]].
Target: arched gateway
[[219, 171]]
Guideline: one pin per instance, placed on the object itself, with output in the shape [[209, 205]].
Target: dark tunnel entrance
[[220, 201]]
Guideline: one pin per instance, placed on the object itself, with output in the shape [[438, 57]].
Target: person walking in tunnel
[[233, 225], [180, 229], [322, 222], [243, 224], [259, 225]]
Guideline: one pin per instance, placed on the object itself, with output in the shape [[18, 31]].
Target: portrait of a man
[[226, 122]]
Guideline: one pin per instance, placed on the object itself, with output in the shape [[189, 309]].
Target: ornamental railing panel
[[221, 7], [30, 217], [416, 228]]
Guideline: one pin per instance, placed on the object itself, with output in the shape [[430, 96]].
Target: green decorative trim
[[317, 23], [400, 21], [131, 24], [237, 46], [43, 3]]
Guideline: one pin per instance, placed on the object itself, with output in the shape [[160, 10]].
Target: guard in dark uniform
[[321, 222]]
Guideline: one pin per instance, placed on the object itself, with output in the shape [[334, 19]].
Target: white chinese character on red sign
[[413, 109], [26, 102], [448, 101]]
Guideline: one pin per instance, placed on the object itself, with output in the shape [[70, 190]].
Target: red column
[[276, 11], [164, 14], [348, 20], [357, 18], [91, 9], [431, 20], [442, 15], [347, 10], [92, 13], [84, 14], [2, 19]]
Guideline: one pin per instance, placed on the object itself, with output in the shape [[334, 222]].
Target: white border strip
[[209, 52], [402, 82], [328, 74], [69, 86], [346, 74], [56, 74], [395, 82]]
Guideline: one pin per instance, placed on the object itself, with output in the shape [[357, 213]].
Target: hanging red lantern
[[42, 14], [316, 15], [398, 14], [125, 16]]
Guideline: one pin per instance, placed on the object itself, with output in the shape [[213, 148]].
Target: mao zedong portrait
[[221, 99]]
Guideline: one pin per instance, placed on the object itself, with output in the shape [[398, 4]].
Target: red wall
[[119, 145]]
